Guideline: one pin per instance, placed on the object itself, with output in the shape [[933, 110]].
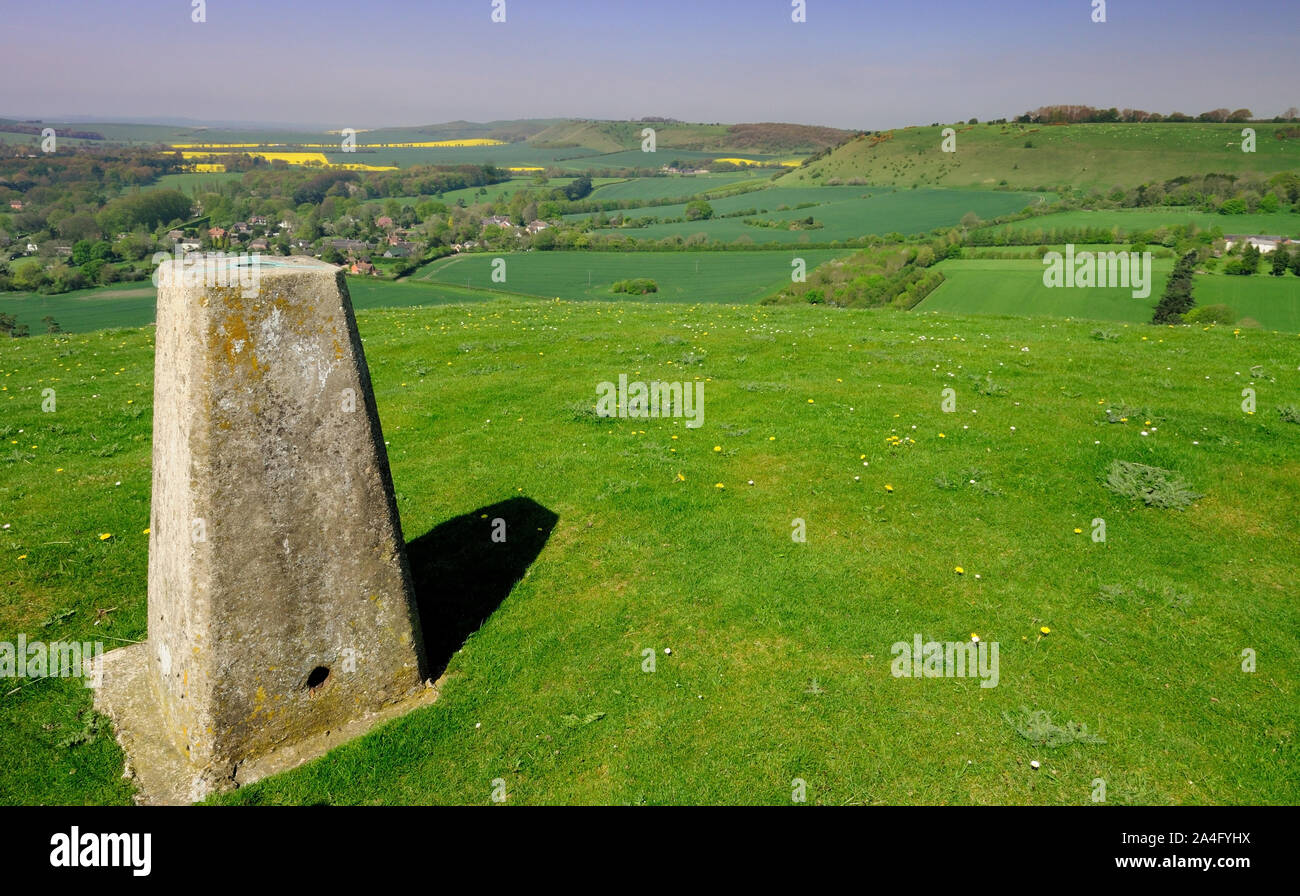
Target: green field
[[681, 276], [1272, 301], [1099, 156], [133, 306], [844, 212], [504, 190], [1014, 287], [781, 651], [673, 186], [1128, 221]]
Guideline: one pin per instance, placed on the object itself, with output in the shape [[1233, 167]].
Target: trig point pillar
[[281, 615]]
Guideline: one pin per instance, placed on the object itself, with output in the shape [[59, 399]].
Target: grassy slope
[[1086, 155], [640, 559], [842, 211], [1132, 220]]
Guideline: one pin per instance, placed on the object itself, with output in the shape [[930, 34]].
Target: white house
[[1265, 244]]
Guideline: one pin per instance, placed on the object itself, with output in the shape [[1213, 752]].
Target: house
[[32, 247], [216, 233], [349, 245], [260, 243], [16, 204], [497, 221], [257, 220], [240, 227], [189, 244], [175, 235], [362, 267], [537, 226], [398, 252], [301, 243], [383, 221], [1264, 244]]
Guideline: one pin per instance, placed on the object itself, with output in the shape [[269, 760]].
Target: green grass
[[125, 305], [98, 309], [505, 189], [780, 664], [1128, 221], [1098, 156], [672, 187], [1015, 287], [1272, 301], [845, 213], [681, 276]]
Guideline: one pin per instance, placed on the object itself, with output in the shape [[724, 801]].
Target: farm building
[[1264, 244]]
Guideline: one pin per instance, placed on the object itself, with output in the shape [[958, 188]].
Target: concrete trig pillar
[[281, 615]]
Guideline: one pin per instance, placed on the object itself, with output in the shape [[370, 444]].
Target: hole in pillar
[[317, 678]]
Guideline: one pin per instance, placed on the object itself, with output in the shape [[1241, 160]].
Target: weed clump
[[1153, 486]]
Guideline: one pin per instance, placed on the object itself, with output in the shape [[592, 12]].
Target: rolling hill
[[1031, 156]]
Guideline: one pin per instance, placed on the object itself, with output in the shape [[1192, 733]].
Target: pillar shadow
[[460, 575]]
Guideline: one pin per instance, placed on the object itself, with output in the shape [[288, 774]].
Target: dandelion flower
[[22, 556], [959, 570], [1078, 531], [145, 532], [1045, 630], [717, 447], [681, 478], [719, 485], [889, 488], [105, 536], [974, 637]]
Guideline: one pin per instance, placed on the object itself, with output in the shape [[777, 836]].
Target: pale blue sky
[[855, 63]]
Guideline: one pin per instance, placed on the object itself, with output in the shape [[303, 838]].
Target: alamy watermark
[[56, 659], [1130, 270], [209, 269], [950, 659], [653, 399]]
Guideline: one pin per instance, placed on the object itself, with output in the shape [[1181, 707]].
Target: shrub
[[637, 286], [1211, 314]]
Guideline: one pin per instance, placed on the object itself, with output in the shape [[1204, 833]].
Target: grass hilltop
[[639, 535]]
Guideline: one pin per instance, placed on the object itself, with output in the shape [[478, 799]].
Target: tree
[[1250, 256], [698, 210], [1177, 298], [1281, 261], [51, 325], [7, 323]]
